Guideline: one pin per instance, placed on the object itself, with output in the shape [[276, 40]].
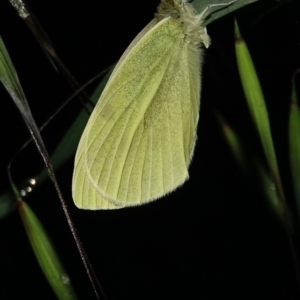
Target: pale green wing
[[139, 140], [133, 43], [161, 149], [84, 193]]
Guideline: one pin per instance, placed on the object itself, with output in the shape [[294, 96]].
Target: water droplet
[[32, 181], [28, 189], [23, 193], [65, 279]]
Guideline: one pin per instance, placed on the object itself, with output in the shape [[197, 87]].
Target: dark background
[[213, 238]]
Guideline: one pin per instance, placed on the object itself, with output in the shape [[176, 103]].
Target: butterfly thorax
[[192, 22]]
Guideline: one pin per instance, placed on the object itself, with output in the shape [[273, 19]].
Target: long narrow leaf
[[257, 107], [45, 254], [294, 141], [10, 80]]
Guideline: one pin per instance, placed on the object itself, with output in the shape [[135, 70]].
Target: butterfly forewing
[[139, 141]]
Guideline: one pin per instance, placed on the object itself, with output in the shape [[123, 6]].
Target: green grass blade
[[294, 143], [257, 107], [9, 77], [10, 80], [46, 255]]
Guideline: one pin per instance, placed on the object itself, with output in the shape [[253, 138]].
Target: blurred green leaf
[[45, 254], [294, 141], [264, 179], [10, 80], [233, 142], [8, 203]]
